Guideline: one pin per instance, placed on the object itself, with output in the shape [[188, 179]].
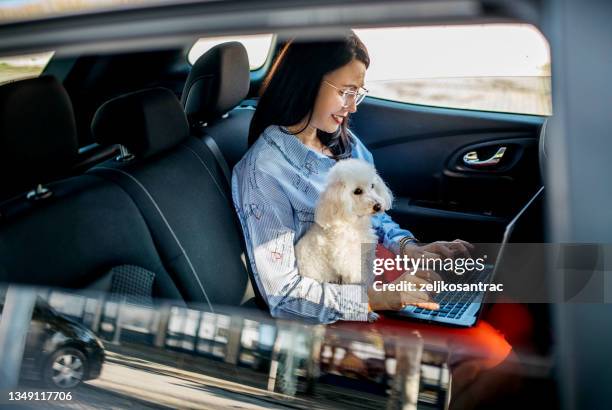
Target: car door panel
[[419, 151]]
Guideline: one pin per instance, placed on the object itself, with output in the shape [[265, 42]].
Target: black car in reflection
[[59, 351]]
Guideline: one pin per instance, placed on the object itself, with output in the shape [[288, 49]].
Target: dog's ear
[[334, 205], [384, 192]]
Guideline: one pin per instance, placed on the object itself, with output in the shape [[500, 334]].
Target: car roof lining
[[173, 26]]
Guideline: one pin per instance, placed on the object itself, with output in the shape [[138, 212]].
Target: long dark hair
[[290, 89]]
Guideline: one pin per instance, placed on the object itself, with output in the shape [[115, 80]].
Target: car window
[[23, 66], [238, 357], [490, 67], [257, 46]]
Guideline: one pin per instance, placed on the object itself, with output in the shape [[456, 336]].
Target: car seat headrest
[[38, 137], [219, 80], [146, 122]]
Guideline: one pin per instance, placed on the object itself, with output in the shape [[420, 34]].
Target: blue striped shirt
[[275, 188]]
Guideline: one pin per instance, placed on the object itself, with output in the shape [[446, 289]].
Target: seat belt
[[214, 148]]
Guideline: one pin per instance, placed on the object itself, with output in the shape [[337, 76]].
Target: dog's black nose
[[377, 208]]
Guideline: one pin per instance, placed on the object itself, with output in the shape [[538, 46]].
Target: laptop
[[462, 309]]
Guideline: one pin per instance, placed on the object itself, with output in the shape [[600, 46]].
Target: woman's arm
[[390, 233], [266, 216]]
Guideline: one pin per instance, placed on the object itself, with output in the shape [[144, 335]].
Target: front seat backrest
[[76, 232], [173, 179]]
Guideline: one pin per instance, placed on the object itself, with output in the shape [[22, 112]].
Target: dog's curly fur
[[331, 250]]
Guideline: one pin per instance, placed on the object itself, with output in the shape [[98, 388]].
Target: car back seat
[[215, 88], [79, 232], [177, 184]]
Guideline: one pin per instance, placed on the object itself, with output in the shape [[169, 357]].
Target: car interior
[[159, 223], [140, 147], [116, 167]]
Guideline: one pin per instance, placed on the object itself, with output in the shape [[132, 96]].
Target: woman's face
[[329, 109]]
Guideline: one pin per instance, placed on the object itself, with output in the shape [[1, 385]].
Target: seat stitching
[[169, 228], [221, 190]]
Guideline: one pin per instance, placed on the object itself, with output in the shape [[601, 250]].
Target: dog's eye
[[372, 186], [358, 191]]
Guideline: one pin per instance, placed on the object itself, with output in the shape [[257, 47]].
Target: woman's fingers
[[454, 249], [427, 305], [459, 249], [413, 299], [418, 301], [419, 296], [417, 252], [466, 244], [439, 248], [428, 275], [430, 255], [417, 279]]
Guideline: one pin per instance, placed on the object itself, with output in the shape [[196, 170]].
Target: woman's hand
[[396, 300], [439, 250]]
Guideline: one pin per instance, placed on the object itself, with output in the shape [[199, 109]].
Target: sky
[[455, 51]]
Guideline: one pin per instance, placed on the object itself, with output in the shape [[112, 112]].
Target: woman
[[298, 132]]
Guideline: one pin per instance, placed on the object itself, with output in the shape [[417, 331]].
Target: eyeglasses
[[349, 96]]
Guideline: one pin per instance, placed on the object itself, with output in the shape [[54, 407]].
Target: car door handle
[[471, 158]]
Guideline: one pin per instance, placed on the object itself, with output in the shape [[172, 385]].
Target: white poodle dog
[[333, 248]]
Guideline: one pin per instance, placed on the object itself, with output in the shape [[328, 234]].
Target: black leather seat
[[78, 232], [177, 184], [216, 86]]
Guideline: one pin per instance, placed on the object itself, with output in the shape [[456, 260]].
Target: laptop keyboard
[[454, 304]]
